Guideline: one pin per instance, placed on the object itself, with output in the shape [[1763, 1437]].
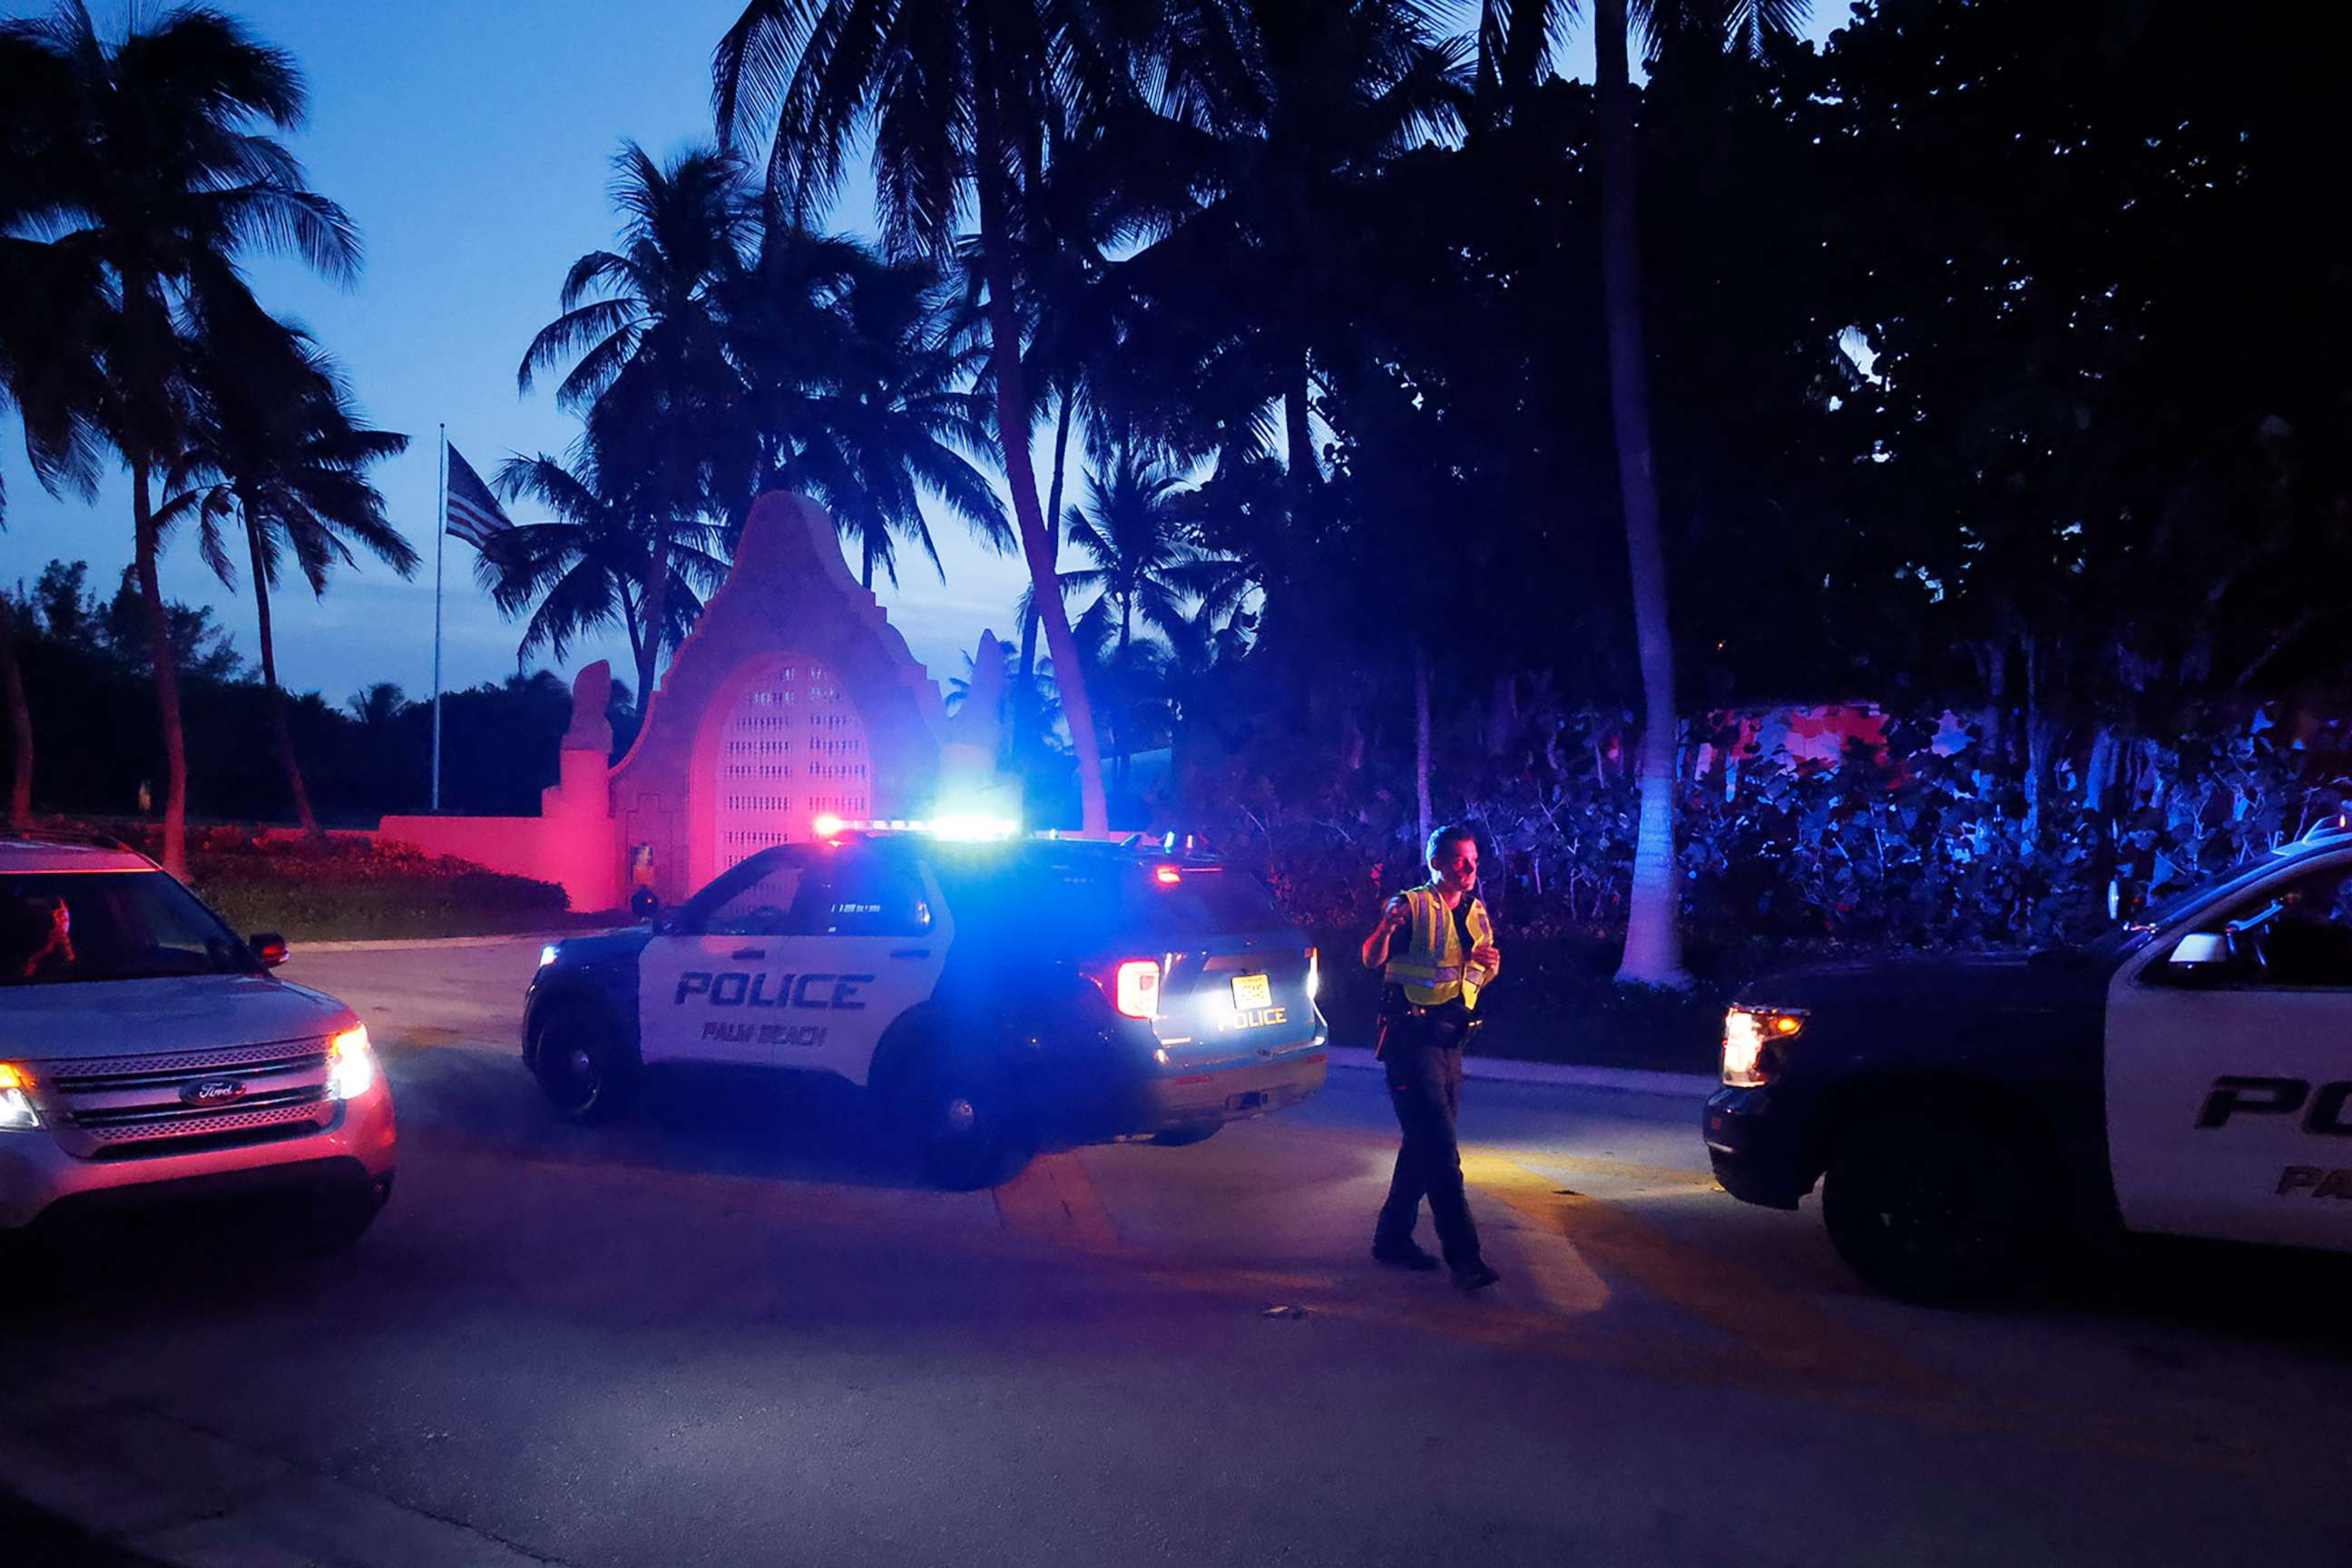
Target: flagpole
[[440, 548]]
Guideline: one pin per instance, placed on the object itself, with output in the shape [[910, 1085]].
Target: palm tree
[[1147, 568], [957, 97], [593, 566], [275, 444], [892, 422], [1521, 32], [378, 703], [1073, 308], [643, 327], [1278, 113], [43, 306], [154, 177]]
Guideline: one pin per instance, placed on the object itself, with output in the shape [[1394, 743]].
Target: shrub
[[350, 886]]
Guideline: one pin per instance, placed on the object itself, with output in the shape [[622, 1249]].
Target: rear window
[[1094, 900]]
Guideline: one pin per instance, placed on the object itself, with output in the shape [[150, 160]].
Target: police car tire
[[966, 1130], [1929, 1210], [586, 1070]]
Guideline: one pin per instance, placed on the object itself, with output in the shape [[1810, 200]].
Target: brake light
[[1135, 987], [1167, 876], [1314, 974]]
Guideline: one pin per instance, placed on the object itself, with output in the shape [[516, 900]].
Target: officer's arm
[[1488, 956], [1376, 946]]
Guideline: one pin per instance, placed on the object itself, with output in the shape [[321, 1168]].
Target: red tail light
[[1133, 987]]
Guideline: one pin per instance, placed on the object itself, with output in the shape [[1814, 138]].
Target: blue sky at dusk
[[471, 143]]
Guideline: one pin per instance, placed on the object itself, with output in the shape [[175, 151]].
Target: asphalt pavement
[[735, 1331]]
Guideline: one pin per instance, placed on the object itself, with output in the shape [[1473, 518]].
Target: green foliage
[[1907, 847], [351, 887]]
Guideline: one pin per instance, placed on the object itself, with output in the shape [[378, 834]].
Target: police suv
[[2188, 1075], [995, 997], [147, 1053]]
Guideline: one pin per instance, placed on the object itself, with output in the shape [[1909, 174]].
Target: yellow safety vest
[[1435, 969]]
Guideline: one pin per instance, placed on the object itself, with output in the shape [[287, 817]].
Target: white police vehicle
[[147, 1054], [2189, 1075], [997, 996]]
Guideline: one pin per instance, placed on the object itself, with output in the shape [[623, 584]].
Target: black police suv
[[997, 997], [2188, 1075]]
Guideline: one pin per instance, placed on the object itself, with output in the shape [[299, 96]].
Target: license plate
[[1252, 992]]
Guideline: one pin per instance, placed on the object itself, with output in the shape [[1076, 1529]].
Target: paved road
[[731, 1332]]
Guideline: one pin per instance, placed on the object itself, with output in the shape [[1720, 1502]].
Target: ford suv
[[147, 1054]]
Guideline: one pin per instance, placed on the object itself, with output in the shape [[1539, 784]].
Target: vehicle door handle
[[910, 952], [746, 954]]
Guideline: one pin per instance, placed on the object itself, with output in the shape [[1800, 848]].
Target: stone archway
[[789, 604]]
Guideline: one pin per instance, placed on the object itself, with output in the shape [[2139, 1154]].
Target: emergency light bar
[[964, 827]]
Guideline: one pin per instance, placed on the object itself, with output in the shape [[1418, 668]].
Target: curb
[[422, 943], [1620, 1080]]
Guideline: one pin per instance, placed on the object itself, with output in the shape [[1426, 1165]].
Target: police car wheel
[[585, 1069], [1928, 1212], [967, 1132]]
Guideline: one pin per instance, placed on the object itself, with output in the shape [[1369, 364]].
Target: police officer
[[1437, 949]]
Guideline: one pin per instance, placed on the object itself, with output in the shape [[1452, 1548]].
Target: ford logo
[[213, 1090]]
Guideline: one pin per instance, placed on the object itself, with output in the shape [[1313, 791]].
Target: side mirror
[[270, 949], [643, 904]]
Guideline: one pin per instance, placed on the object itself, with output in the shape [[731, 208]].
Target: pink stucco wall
[[574, 853]]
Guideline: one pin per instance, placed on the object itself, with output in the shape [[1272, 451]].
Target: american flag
[[473, 512]]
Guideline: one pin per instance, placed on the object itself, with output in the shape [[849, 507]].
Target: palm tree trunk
[[1420, 736], [656, 604], [167, 674], [1653, 935], [1123, 726], [277, 723], [20, 722], [1027, 709], [636, 647], [1037, 541]]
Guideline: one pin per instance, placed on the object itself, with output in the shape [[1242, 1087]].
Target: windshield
[[58, 927], [2167, 912]]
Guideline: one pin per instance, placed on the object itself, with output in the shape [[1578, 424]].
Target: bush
[[1908, 847], [349, 886]]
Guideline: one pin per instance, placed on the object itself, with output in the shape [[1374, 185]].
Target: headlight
[[16, 1111], [350, 1066], [547, 955], [1748, 1032]]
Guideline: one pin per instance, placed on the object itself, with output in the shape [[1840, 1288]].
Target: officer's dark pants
[[1424, 1058]]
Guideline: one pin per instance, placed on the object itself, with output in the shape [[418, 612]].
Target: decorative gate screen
[[792, 749]]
